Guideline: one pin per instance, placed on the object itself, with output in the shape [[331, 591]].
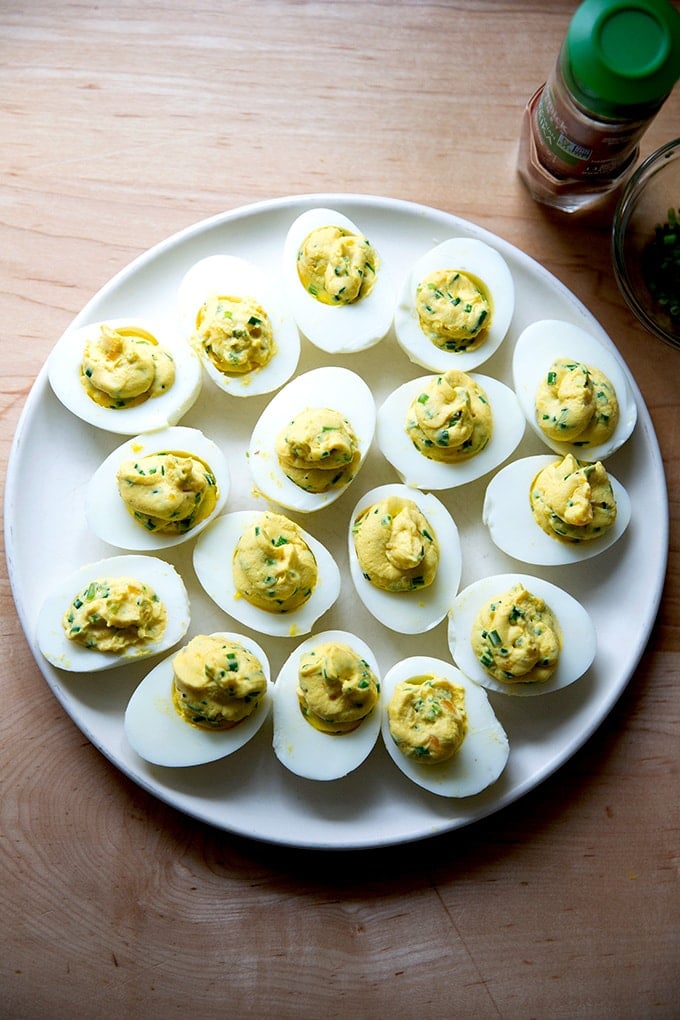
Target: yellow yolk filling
[[167, 492], [336, 688], [576, 404], [517, 638], [235, 333], [217, 683], [427, 718], [454, 310], [123, 367], [336, 266], [573, 501], [273, 567], [450, 419], [115, 614], [318, 450], [396, 546]]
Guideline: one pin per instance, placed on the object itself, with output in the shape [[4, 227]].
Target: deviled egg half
[[404, 557], [455, 306], [235, 317], [573, 391], [338, 289], [266, 571], [202, 703], [111, 612], [327, 706], [520, 635], [448, 429], [157, 490], [439, 728], [125, 375], [311, 439], [550, 510]]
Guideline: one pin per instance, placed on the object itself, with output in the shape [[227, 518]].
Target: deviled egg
[[202, 703], [520, 635], [455, 306], [404, 557], [312, 438], [234, 315], [574, 392], [327, 706], [125, 375], [582, 508], [439, 728], [111, 612], [266, 571], [445, 430], [339, 291], [157, 490]]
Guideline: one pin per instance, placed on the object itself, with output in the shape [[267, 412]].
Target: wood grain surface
[[120, 123]]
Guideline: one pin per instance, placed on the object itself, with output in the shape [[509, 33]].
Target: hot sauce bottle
[[580, 133]]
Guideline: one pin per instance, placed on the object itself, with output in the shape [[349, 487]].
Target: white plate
[[251, 793]]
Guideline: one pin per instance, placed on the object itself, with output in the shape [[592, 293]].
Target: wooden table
[[121, 123]]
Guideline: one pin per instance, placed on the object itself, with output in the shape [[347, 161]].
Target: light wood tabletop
[[122, 123]]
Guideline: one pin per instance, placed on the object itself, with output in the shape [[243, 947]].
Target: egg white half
[[484, 752], [300, 747], [69, 655], [537, 347], [507, 514], [579, 638], [417, 470], [236, 277], [63, 370], [213, 554], [411, 612], [331, 387], [107, 514], [469, 256], [159, 734], [337, 329]]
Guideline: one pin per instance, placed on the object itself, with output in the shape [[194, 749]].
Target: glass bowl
[[646, 243]]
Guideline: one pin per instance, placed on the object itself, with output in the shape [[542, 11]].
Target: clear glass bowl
[[642, 259]]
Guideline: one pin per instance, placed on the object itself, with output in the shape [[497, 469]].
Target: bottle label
[[553, 133], [578, 150]]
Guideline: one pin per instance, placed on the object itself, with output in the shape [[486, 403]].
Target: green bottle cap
[[623, 54]]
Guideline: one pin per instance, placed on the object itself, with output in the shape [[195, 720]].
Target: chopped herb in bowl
[[661, 264]]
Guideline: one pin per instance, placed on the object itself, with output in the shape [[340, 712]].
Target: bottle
[[580, 132]]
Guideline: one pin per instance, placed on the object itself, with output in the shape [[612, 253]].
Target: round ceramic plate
[[251, 793]]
